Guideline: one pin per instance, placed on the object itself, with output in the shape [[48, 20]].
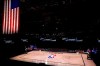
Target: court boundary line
[[83, 60]]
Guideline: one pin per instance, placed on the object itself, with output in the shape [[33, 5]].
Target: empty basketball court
[[60, 58]]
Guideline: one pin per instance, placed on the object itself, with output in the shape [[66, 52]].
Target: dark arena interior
[[64, 31]]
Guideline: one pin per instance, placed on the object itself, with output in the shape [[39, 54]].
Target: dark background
[[77, 16]]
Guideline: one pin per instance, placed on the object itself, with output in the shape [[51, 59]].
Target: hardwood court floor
[[61, 58]]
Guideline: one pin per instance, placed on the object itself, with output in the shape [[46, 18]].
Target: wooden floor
[[61, 58]]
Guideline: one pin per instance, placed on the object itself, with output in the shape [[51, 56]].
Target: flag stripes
[[10, 17]]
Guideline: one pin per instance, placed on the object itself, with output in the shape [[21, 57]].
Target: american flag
[[11, 16]]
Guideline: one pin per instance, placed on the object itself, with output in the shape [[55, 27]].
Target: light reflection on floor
[[61, 58]]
